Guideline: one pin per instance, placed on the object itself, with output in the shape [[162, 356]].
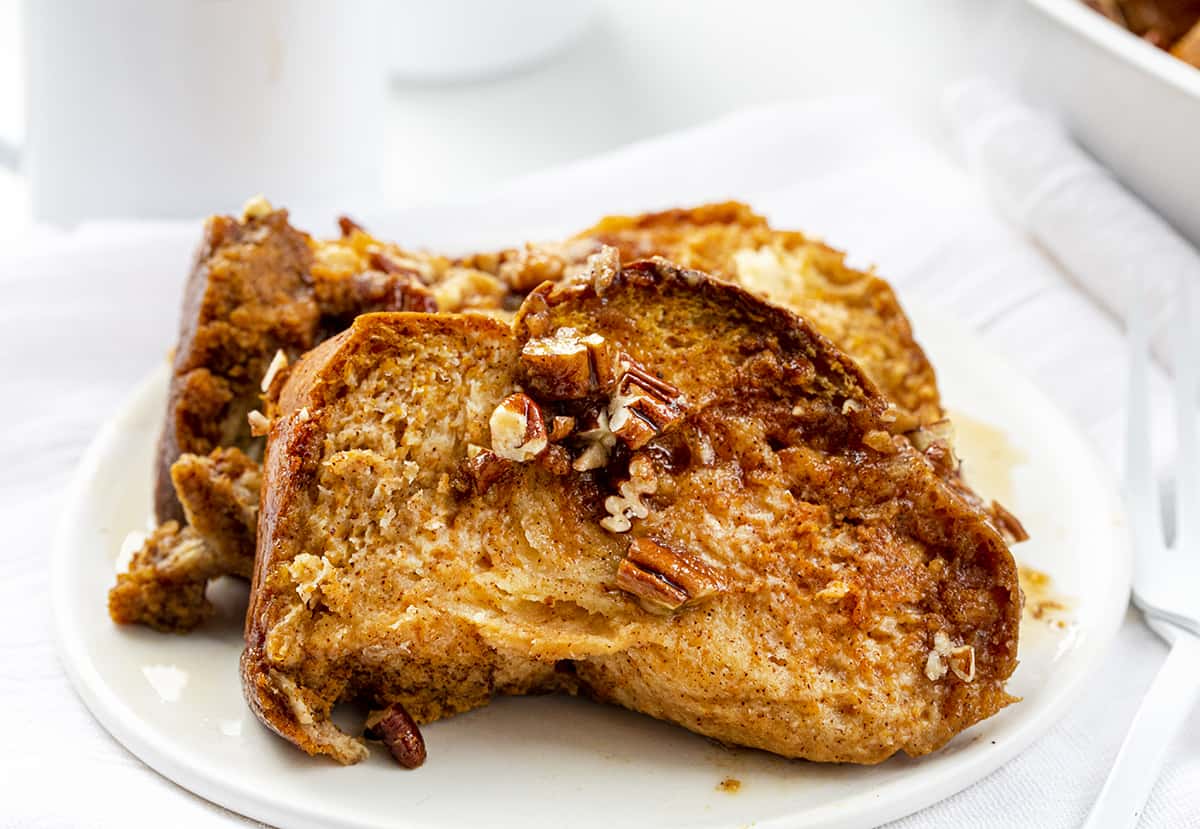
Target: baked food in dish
[[655, 489], [1173, 25]]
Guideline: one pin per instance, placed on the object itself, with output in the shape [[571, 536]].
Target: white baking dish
[[1133, 106]]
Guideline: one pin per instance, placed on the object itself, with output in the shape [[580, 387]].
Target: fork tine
[[1186, 355], [1144, 513]]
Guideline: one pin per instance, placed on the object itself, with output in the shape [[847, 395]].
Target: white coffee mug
[[454, 41], [178, 108]]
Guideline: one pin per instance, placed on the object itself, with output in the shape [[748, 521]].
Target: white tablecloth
[[846, 170]]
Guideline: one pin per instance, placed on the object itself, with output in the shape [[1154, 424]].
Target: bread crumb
[[730, 785]]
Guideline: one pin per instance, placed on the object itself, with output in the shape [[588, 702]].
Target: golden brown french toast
[[856, 309], [655, 489], [260, 294], [260, 286], [263, 292]]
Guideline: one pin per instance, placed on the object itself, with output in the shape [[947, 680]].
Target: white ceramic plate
[[176, 702]]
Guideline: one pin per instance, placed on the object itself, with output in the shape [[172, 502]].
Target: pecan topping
[[395, 290], [380, 261], [479, 471], [566, 365], [400, 734], [628, 504], [652, 588], [962, 662], [603, 267], [524, 270], [518, 429], [664, 578], [936, 442], [945, 657], [256, 208], [1009, 525], [348, 226], [643, 407], [555, 460], [880, 441], [599, 441], [560, 428]]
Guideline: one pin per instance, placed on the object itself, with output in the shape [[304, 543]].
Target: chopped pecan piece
[[524, 270], [945, 657], [555, 460], [278, 363], [1009, 525], [603, 267], [348, 226], [479, 471], [560, 428], [256, 207], [566, 365], [936, 442], [628, 504], [643, 407], [652, 588], [518, 429], [880, 441], [599, 441], [962, 662], [663, 577], [400, 734]]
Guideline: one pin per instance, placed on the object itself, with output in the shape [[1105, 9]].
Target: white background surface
[[646, 69]]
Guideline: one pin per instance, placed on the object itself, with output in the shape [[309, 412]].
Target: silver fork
[[1166, 578]]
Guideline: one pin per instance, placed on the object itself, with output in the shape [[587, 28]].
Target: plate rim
[[889, 801]]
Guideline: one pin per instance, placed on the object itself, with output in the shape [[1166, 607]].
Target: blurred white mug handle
[[10, 155]]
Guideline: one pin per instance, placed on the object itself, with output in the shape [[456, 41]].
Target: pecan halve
[[401, 736], [663, 577]]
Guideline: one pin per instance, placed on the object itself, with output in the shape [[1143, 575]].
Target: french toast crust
[[893, 505], [249, 293], [730, 241]]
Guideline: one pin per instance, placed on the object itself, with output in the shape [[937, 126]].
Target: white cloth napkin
[[845, 169], [1115, 247]]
